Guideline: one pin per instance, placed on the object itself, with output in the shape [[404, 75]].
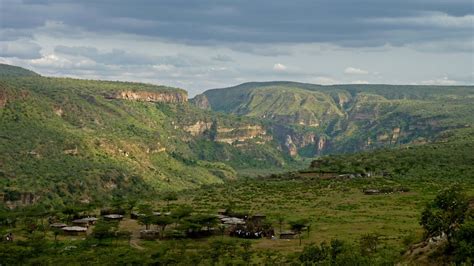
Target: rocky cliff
[[151, 96], [201, 102], [241, 134], [226, 134]]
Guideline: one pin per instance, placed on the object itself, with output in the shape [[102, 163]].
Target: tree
[[280, 219], [130, 203], [368, 244], [213, 131], [162, 222], [146, 216], [118, 201], [313, 254], [445, 213], [198, 221], [463, 243], [104, 229], [181, 212], [298, 225], [222, 228], [337, 247]]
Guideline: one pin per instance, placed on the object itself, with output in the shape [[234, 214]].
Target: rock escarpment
[[229, 135], [201, 102], [151, 96]]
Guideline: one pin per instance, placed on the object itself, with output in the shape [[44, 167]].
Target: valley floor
[[334, 209]]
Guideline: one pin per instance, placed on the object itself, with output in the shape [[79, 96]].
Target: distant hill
[[15, 71], [314, 119]]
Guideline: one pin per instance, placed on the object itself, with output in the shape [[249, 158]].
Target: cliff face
[[198, 128], [150, 96], [201, 102], [241, 134], [290, 146], [229, 135]]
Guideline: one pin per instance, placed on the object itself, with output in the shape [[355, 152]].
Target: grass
[[336, 209]]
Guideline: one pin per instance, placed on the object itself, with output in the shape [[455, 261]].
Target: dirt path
[[132, 226]]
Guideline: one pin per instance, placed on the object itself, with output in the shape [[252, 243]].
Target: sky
[[205, 44]]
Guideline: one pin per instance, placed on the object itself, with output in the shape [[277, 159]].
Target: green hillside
[[452, 157], [70, 139], [312, 119], [82, 140], [14, 71]]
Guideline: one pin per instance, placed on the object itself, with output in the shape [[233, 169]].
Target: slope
[[83, 140], [312, 119]]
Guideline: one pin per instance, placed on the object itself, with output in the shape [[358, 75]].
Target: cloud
[[370, 23], [58, 62], [440, 81], [279, 67], [429, 19], [23, 49], [355, 71], [209, 44], [360, 82], [122, 57], [222, 58]]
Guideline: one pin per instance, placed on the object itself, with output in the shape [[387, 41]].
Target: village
[[170, 225]]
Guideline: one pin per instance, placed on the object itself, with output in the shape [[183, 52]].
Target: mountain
[[64, 139], [311, 120], [69, 139]]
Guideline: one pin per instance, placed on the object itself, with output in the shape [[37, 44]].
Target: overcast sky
[[199, 45]]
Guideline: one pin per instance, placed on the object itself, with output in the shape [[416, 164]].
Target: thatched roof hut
[[91, 220], [371, 191], [81, 222], [57, 225], [74, 230], [232, 220], [116, 217]]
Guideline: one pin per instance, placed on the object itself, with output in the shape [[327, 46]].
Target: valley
[[332, 174]]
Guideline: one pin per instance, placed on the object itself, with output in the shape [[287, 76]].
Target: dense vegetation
[[451, 157], [67, 139]]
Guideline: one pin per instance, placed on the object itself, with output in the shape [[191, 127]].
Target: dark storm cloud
[[347, 23]]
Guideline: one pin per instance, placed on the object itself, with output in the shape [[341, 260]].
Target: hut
[[81, 222], [371, 191], [113, 217], [74, 230], [149, 234], [57, 225], [232, 221], [287, 235], [90, 220]]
